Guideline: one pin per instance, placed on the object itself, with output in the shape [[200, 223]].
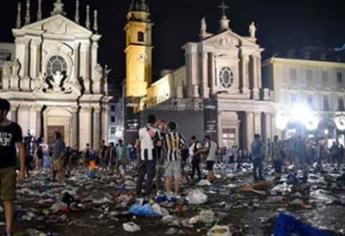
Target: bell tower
[[138, 49]]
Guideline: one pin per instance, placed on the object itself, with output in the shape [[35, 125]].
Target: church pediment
[[228, 39], [58, 25]]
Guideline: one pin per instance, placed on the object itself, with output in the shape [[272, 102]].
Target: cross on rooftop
[[223, 7]]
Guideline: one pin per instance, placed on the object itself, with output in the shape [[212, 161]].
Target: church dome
[[139, 5]]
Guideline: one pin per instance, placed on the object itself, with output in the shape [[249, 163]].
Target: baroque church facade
[[55, 82], [217, 92]]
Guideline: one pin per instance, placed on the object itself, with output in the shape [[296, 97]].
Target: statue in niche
[[7, 71], [252, 30], [106, 72], [41, 81], [58, 78], [99, 72], [16, 68]]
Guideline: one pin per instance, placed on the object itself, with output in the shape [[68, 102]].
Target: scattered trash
[[197, 197], [131, 227], [143, 211], [204, 182], [219, 230]]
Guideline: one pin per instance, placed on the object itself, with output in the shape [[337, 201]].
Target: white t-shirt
[[212, 151], [146, 136]]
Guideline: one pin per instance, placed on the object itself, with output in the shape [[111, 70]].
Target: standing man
[[210, 149], [111, 158], [10, 138], [256, 148], [87, 153], [59, 151], [195, 151], [276, 155], [122, 156], [149, 139], [173, 142], [101, 153], [299, 152], [335, 153]]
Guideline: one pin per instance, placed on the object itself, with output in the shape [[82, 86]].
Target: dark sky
[[282, 24]]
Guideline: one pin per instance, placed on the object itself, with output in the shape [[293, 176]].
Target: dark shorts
[[8, 178], [209, 165]]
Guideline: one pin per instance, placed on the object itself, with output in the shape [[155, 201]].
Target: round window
[[226, 77]]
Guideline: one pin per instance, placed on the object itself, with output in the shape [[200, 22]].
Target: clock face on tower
[[226, 77], [141, 57]]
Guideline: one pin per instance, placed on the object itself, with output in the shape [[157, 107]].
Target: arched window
[[140, 36]]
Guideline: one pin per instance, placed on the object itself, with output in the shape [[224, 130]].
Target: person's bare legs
[[9, 214], [168, 181], [177, 186]]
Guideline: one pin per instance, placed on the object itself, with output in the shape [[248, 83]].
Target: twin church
[[55, 81]]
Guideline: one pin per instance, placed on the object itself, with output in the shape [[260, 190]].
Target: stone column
[[14, 113], [94, 55], [38, 127], [96, 127], [268, 124], [255, 79], [245, 74], [249, 129], [85, 128], [35, 61], [85, 65], [258, 66], [75, 128], [26, 63], [194, 66], [212, 78], [205, 90], [105, 123], [257, 123]]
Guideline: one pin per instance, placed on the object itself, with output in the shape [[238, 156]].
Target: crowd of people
[[160, 151]]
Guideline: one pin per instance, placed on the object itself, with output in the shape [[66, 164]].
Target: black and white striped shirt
[[173, 142]]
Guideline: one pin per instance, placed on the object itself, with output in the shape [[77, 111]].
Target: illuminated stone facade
[[221, 71], [318, 85], [55, 81]]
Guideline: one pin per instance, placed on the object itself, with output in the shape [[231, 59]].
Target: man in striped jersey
[[173, 142], [149, 139]]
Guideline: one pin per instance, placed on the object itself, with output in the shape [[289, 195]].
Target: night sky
[[282, 24]]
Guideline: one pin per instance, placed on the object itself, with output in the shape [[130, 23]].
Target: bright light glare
[[282, 121], [302, 113], [299, 113]]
